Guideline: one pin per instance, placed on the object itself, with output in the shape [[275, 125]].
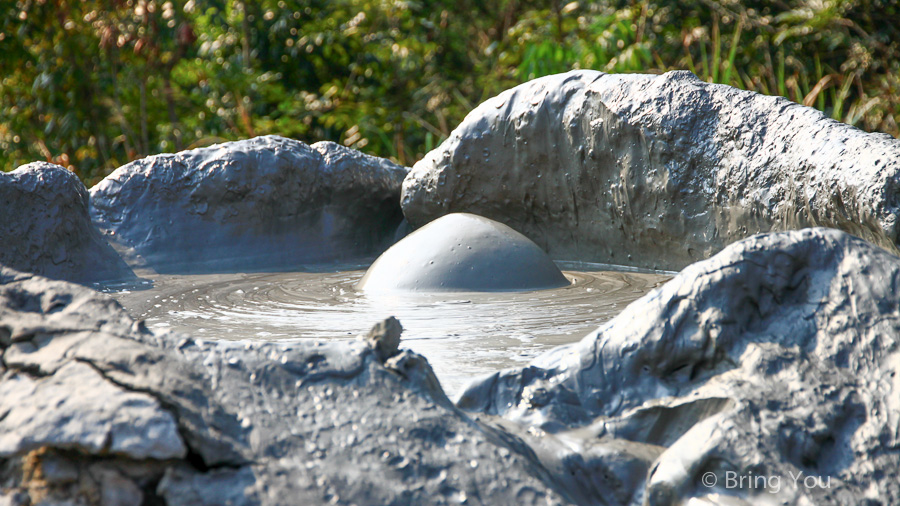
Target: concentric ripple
[[462, 335]]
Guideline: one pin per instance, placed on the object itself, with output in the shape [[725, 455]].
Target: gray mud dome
[[463, 252], [777, 358], [96, 409], [267, 202], [655, 171], [45, 227]]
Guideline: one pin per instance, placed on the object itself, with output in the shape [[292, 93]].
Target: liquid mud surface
[[463, 335]]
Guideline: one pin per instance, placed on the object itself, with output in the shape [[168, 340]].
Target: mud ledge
[[656, 171]]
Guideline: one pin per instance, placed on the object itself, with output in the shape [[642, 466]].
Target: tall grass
[[840, 56]]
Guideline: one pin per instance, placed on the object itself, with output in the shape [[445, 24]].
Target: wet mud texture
[[45, 227], [778, 357], [267, 202], [655, 171], [96, 409], [461, 334]]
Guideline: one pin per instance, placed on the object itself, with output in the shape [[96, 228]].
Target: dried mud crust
[[262, 203], [655, 171], [46, 229], [777, 357], [163, 418]]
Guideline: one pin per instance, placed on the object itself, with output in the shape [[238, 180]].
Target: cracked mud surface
[[261, 423]]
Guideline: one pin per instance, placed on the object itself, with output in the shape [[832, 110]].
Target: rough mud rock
[[656, 171], [187, 422], [384, 338], [45, 227], [41, 412], [777, 358], [463, 252], [266, 202]]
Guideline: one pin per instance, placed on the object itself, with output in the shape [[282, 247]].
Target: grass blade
[[717, 49], [732, 51], [841, 96]]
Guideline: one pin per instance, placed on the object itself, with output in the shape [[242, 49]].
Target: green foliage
[[94, 84], [840, 56]]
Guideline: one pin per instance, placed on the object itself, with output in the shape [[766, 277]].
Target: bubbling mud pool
[[463, 335]]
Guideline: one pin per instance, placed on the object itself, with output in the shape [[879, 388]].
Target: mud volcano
[[254, 361], [463, 253], [447, 282]]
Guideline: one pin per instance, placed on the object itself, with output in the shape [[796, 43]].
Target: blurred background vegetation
[[93, 84]]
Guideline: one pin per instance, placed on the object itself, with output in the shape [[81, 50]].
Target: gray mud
[[776, 357], [262, 203], [463, 252], [656, 171], [95, 409], [462, 334], [45, 227]]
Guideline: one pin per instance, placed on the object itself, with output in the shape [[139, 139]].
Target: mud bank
[[267, 202], [656, 171], [778, 357], [94, 406], [45, 227]]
